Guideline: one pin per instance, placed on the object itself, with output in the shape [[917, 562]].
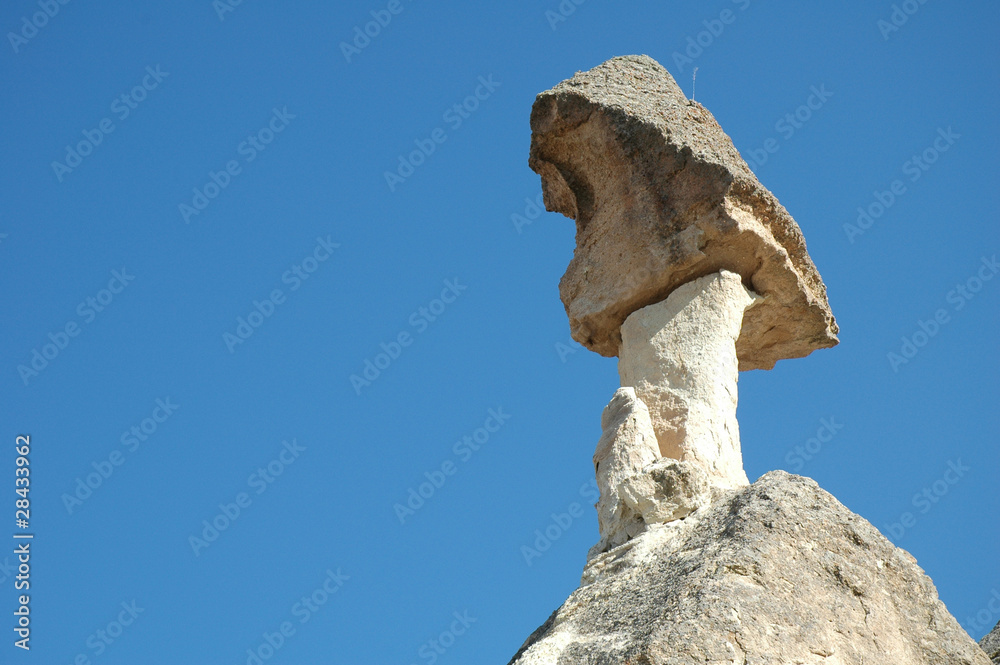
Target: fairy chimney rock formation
[[686, 267], [688, 270]]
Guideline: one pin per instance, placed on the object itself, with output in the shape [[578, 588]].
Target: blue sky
[[216, 253]]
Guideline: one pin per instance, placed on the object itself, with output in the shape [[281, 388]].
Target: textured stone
[[667, 490], [627, 445], [680, 356], [637, 486], [775, 573], [661, 197], [991, 644]]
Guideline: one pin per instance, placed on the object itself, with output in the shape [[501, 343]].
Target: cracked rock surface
[[775, 573]]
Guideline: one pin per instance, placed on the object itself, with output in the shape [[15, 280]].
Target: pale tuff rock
[[775, 573], [627, 445], [680, 356], [637, 487], [991, 644], [667, 490], [661, 197]]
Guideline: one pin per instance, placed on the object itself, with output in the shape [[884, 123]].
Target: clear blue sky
[[276, 140]]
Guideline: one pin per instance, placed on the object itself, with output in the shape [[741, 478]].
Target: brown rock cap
[[661, 197]]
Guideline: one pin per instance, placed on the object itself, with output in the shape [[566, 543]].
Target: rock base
[[776, 573]]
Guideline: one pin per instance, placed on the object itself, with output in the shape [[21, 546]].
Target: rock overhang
[[661, 197]]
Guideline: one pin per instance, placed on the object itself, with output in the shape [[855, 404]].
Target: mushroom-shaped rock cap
[[661, 197]]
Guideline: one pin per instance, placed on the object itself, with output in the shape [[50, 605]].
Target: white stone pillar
[[680, 357]]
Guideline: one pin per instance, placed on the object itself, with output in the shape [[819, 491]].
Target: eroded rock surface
[[638, 487], [775, 573], [627, 445], [667, 490], [661, 197]]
